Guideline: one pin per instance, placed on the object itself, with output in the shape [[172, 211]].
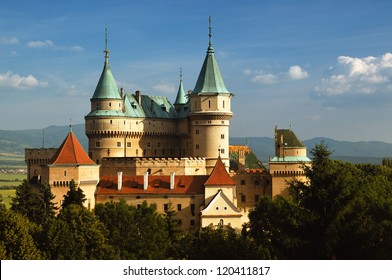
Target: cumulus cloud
[[19, 82], [294, 72], [297, 73], [353, 75], [9, 41]]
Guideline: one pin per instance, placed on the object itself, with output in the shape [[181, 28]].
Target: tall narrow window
[[223, 104], [209, 103], [65, 173]]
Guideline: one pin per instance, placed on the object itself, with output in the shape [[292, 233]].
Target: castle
[[144, 148]]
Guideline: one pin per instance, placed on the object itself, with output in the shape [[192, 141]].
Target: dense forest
[[344, 211]]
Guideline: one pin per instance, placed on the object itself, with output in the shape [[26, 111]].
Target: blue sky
[[325, 67]]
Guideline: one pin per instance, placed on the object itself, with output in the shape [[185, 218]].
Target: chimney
[[119, 180], [122, 93], [138, 97], [145, 184], [172, 177]]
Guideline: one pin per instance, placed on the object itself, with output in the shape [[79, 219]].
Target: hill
[[13, 143]]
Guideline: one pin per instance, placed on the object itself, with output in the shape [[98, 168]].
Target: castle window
[[193, 209], [129, 144], [165, 207], [257, 182], [222, 136], [111, 122], [148, 145], [179, 207], [225, 208], [223, 104], [217, 208], [221, 222], [192, 222], [65, 173], [197, 146], [222, 151], [110, 104], [197, 131], [159, 144], [243, 198], [118, 144], [137, 151], [209, 103], [243, 182], [97, 144]]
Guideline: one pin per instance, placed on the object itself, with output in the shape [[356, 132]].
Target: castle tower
[[180, 98], [210, 113], [106, 120], [287, 164]]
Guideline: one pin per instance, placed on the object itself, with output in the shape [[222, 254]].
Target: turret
[[107, 105], [210, 112]]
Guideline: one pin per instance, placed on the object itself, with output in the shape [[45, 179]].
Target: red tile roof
[[219, 175], [71, 152], [183, 184]]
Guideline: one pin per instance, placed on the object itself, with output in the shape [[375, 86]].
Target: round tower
[[210, 113], [105, 125]]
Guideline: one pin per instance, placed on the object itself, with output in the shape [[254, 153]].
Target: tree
[[74, 196], [77, 234], [35, 201], [343, 211], [17, 237], [135, 232], [221, 243]]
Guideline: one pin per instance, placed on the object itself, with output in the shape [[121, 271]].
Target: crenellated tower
[[210, 112], [105, 124]]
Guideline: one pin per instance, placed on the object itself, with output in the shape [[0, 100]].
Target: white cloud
[[265, 78], [297, 73], [165, 88], [9, 41], [294, 72], [41, 44], [18, 82], [366, 75]]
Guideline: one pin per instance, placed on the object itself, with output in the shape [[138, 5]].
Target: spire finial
[[106, 51], [180, 73], [210, 32], [70, 124]]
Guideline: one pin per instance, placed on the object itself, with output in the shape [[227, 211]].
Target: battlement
[[156, 166]]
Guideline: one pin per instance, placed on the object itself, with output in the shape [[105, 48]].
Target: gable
[[220, 206]]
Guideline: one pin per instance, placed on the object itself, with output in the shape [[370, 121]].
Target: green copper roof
[[210, 79], [106, 87], [290, 159], [181, 97], [290, 140]]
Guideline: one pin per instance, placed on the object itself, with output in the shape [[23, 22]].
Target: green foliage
[[344, 211], [74, 196], [34, 201], [221, 243], [135, 232], [77, 234], [17, 237]]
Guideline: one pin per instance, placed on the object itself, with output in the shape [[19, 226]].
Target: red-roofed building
[[188, 195], [69, 162]]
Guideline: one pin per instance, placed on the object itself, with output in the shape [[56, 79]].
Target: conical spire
[[181, 97], [210, 79], [106, 87]]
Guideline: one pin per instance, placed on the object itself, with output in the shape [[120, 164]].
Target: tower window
[[209, 103], [222, 136], [197, 131], [119, 144], [97, 144], [197, 146], [111, 122], [129, 144], [65, 173], [110, 104], [223, 104]]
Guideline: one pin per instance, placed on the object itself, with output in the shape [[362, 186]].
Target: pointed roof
[[181, 97], [71, 152], [210, 80], [217, 200], [288, 138], [106, 87], [219, 175]]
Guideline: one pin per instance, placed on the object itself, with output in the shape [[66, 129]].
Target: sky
[[322, 67]]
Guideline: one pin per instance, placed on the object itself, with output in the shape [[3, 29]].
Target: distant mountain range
[[15, 141]]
